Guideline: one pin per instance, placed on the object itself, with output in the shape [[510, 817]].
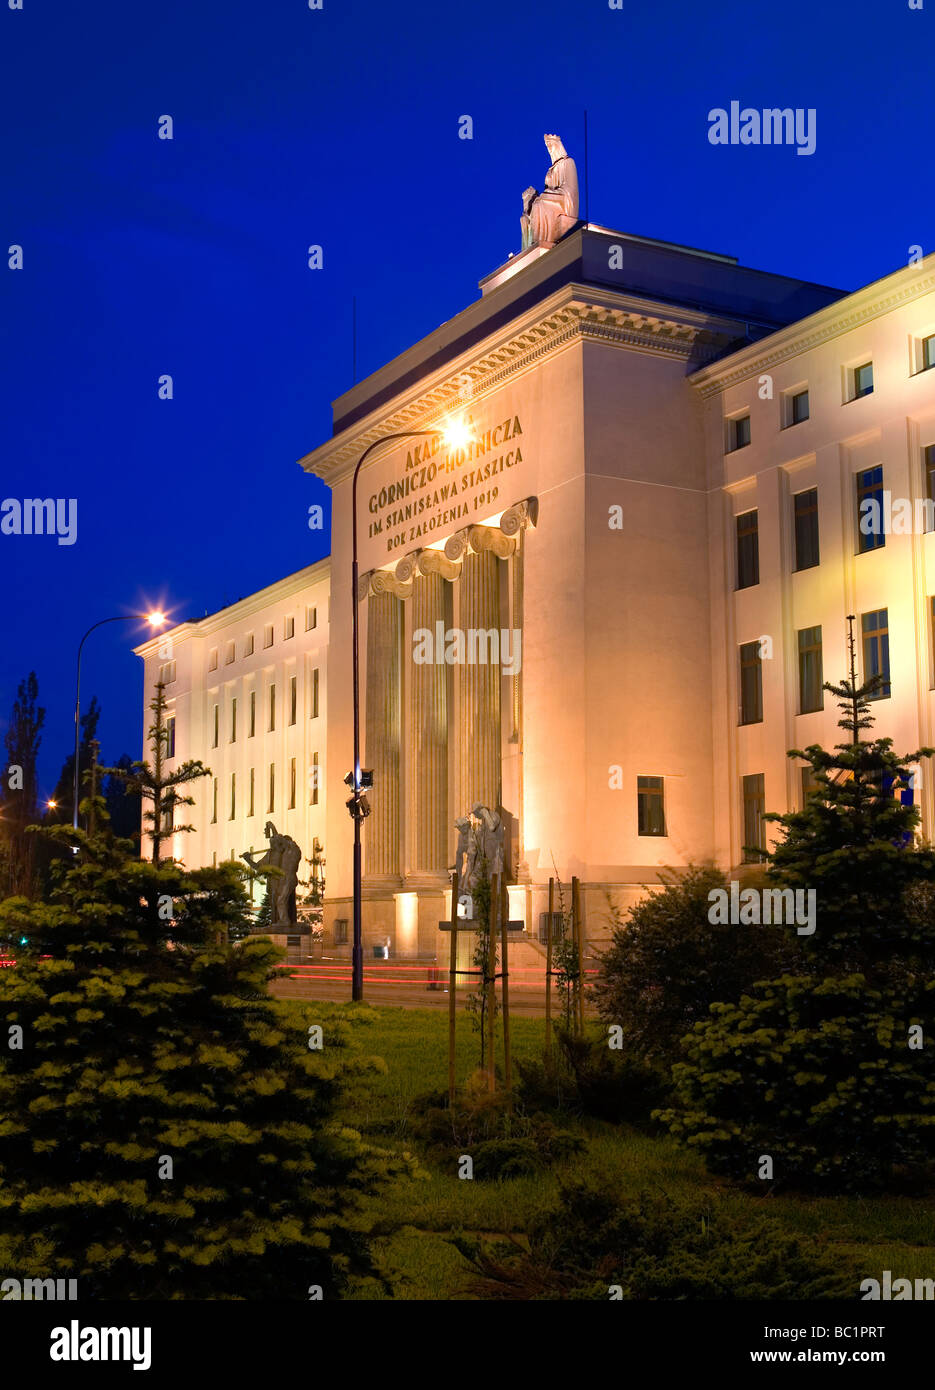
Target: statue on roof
[[548, 215]]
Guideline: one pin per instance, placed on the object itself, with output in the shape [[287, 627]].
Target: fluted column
[[479, 732], [383, 733], [429, 761]]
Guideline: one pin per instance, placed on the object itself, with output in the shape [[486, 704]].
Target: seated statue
[[553, 212]]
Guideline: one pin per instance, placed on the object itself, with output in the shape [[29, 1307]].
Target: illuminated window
[[650, 805], [806, 528], [751, 683], [811, 695], [748, 550], [870, 533], [754, 826], [876, 645]]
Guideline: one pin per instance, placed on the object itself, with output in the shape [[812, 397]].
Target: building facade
[[609, 615]]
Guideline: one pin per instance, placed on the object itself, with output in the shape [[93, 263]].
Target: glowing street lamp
[[456, 434], [155, 620]]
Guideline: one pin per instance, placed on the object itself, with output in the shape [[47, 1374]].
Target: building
[[610, 614]]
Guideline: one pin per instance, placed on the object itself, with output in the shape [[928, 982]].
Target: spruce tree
[[168, 1129], [19, 786], [853, 844], [158, 787]]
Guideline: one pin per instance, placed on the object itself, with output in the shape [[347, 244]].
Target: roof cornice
[[573, 313], [863, 306]]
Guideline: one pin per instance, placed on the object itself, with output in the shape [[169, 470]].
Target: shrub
[[668, 963], [653, 1247], [817, 1074], [587, 1077]]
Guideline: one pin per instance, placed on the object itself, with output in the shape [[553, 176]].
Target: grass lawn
[[895, 1233]]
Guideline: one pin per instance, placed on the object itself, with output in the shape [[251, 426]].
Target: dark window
[[252, 788], [340, 931], [252, 713], [170, 736], [806, 529], [870, 534], [314, 714], [748, 550], [876, 639], [798, 408], [272, 708], [313, 790], [233, 795], [863, 380], [271, 805], [650, 803], [809, 783], [751, 683], [928, 465], [738, 432], [216, 718], [293, 689], [754, 826], [214, 802], [811, 695], [558, 927], [292, 784], [932, 627], [928, 352], [234, 720]]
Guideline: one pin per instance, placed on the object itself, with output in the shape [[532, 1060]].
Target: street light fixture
[[456, 434], [155, 620]]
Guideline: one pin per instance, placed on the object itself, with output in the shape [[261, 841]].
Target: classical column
[[383, 733], [479, 732], [429, 729]]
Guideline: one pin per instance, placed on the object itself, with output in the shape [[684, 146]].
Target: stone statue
[[285, 856], [479, 849], [553, 212]]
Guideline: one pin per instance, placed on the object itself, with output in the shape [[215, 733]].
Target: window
[[748, 550], [233, 795], [751, 683], [234, 720], [311, 619], [248, 644], [229, 655], [558, 925], [268, 635], [170, 736], [167, 673], [313, 781], [928, 468], [170, 818], [650, 805], [213, 659], [292, 784], [754, 826], [271, 804], [928, 352], [862, 381], [272, 708], [738, 433], [216, 724], [252, 714], [811, 695], [806, 529], [798, 407], [214, 803], [809, 783], [870, 534], [252, 789], [293, 697], [876, 644], [315, 693], [340, 931], [932, 629], [288, 628]]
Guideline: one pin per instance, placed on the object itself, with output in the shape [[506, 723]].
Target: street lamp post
[[155, 620], [455, 433]]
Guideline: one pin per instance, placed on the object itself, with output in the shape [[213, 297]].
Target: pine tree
[[853, 843], [158, 787], [168, 1129], [64, 792], [19, 787]]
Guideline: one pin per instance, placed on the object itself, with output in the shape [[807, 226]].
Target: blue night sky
[[340, 127]]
